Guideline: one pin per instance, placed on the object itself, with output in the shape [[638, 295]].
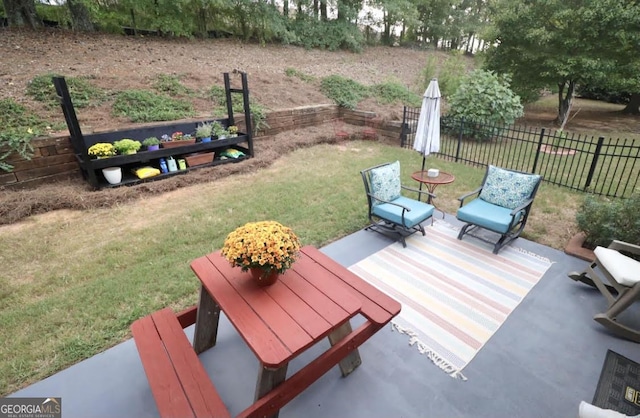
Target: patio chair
[[502, 205], [391, 213], [623, 275]]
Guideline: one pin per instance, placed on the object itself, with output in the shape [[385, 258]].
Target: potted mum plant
[[233, 131], [102, 150], [218, 130], [127, 146], [265, 248], [152, 143]]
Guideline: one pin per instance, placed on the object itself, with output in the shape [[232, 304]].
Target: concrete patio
[[542, 362]]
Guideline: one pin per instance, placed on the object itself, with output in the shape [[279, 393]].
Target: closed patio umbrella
[[427, 139]]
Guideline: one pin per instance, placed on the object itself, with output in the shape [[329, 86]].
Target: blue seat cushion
[[487, 215], [420, 211]]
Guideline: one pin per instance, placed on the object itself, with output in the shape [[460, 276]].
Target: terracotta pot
[[263, 278], [173, 144]]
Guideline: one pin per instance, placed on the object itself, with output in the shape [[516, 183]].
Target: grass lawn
[[73, 282]]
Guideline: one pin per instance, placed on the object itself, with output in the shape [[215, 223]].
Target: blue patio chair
[[391, 213], [502, 204]]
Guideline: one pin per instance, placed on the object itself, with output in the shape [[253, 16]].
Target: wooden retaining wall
[[53, 157]]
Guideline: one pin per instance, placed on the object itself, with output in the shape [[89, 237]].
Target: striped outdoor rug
[[454, 294]]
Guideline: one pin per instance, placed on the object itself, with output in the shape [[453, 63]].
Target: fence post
[[535, 161], [403, 128], [459, 139], [592, 169]]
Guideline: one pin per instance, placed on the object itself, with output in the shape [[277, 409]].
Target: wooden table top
[[441, 178], [279, 321]]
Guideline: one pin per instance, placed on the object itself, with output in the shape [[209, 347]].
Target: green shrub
[[391, 92], [332, 34], [603, 220], [344, 91], [292, 72], [145, 106], [486, 102], [18, 128], [82, 93], [171, 85], [429, 71], [451, 74]]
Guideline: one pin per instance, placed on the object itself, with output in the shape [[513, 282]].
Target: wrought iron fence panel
[[604, 166]]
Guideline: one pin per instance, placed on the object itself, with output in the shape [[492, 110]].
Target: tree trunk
[[21, 13], [285, 8], [316, 9], [80, 16], [633, 108], [564, 101]]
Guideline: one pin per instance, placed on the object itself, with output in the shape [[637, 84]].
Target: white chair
[[623, 274]]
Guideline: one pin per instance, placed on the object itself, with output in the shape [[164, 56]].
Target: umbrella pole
[[422, 169]]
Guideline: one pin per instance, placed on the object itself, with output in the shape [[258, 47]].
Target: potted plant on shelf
[[233, 131], [127, 146], [177, 139], [218, 130], [265, 248], [203, 132], [102, 150], [152, 143]]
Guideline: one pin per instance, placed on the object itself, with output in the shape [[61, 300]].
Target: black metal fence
[[604, 166]]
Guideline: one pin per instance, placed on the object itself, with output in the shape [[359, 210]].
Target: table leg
[[206, 331], [352, 360], [269, 379]]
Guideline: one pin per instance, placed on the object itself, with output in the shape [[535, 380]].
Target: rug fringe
[[435, 358]]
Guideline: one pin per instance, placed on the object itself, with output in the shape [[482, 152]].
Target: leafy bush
[[170, 84], [145, 106], [486, 102], [607, 95], [344, 91], [391, 92], [292, 72], [18, 128], [82, 93], [451, 74], [332, 35], [429, 71], [603, 220]]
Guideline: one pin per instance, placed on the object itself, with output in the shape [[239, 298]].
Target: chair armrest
[[464, 196], [421, 192], [522, 207], [389, 202], [624, 246]]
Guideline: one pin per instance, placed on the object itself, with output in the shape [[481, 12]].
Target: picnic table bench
[[181, 385]]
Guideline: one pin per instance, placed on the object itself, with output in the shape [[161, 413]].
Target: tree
[[22, 13], [80, 16], [562, 43]]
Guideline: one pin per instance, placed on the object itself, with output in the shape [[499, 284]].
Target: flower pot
[[207, 139], [263, 277], [130, 152], [155, 147], [112, 174], [173, 144]]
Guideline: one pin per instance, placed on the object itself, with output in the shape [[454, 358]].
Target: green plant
[[152, 140], [203, 130], [292, 72], [344, 91], [486, 102], [429, 71], [126, 146], [19, 127], [451, 74], [102, 150], [171, 85], [82, 92], [391, 92], [603, 220], [218, 130], [145, 106], [267, 245]]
